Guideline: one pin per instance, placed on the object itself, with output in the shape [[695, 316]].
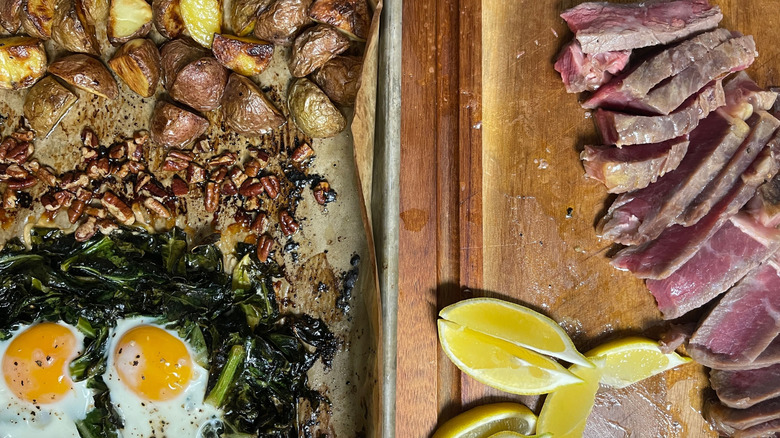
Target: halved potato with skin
[[127, 20], [202, 19], [282, 21], [243, 14], [10, 17], [246, 110], [175, 127], [87, 73], [92, 11], [22, 62], [200, 84], [72, 31], [167, 18], [175, 55], [339, 78], [312, 111], [314, 47], [245, 55], [349, 16], [46, 104], [38, 17], [137, 63]]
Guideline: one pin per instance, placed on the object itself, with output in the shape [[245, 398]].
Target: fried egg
[[38, 398], [154, 383]]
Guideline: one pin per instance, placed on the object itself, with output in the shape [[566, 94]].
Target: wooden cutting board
[[494, 203]]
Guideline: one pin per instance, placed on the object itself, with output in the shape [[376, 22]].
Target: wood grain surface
[[494, 203]]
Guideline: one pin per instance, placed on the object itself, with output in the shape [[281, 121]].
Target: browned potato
[[22, 62], [339, 78], [200, 84], [92, 11], [175, 55], [202, 19], [38, 17], [175, 127], [127, 20], [282, 21], [312, 111], [350, 16], [9, 15], [245, 55], [314, 47], [167, 18], [138, 64], [46, 104], [72, 32], [243, 14], [246, 109], [87, 73]]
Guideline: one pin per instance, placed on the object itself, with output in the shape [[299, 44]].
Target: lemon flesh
[[500, 364], [510, 434], [565, 412], [626, 361], [483, 421], [516, 324]]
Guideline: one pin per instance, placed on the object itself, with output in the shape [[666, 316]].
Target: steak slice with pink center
[[729, 420], [581, 72], [744, 388]]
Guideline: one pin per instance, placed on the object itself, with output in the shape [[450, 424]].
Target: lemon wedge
[[626, 361], [483, 421], [565, 412], [500, 364], [516, 324]]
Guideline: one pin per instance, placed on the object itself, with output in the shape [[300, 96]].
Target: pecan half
[[172, 164], [218, 174], [271, 185], [75, 210], [260, 224], [46, 175], [302, 153], [227, 188], [287, 223], [16, 171], [180, 155], [265, 244], [106, 226], [22, 183], [195, 174], [251, 187], [118, 151], [20, 153], [223, 159], [211, 197], [86, 230], [237, 176], [117, 208], [6, 145], [179, 186], [157, 207]]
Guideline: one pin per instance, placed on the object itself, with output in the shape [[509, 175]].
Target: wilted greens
[[257, 358]]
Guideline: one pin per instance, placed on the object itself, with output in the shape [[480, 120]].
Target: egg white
[[23, 419], [183, 416]]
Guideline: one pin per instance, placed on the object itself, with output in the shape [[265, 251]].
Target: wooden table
[[494, 202]]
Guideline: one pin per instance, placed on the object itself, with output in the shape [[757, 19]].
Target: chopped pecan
[[86, 230], [227, 188], [135, 150], [22, 183], [323, 194], [242, 218], [203, 146], [260, 155], [50, 202], [287, 223], [72, 181], [83, 195], [16, 171], [107, 226], [132, 167], [260, 223], [252, 203], [98, 169], [64, 197], [218, 174], [195, 174], [237, 176], [157, 207], [75, 210], [271, 185], [97, 212], [154, 188], [172, 164], [23, 134], [88, 138], [251, 187], [180, 155], [46, 175], [179, 186], [265, 244], [140, 137], [20, 153], [302, 153], [6, 145], [211, 197], [87, 153], [117, 208], [10, 200], [223, 159], [118, 151], [141, 180], [253, 168]]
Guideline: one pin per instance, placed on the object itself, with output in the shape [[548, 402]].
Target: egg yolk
[[35, 365], [152, 363]]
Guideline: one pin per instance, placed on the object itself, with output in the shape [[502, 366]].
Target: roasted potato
[[314, 47], [87, 73], [128, 20], [282, 21], [137, 63], [92, 11], [202, 19], [339, 78], [243, 14], [175, 55], [46, 104], [175, 127], [72, 31], [246, 110], [313, 113], [10, 17], [245, 55], [167, 18], [22, 62], [349, 16], [38, 17], [200, 84]]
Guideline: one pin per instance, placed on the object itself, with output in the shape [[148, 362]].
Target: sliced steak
[[765, 206], [733, 55], [676, 335], [637, 82], [735, 249], [606, 27], [768, 357], [743, 96], [632, 168], [642, 215], [764, 126], [659, 258], [581, 72], [729, 420], [627, 129], [743, 324], [744, 388], [763, 430]]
